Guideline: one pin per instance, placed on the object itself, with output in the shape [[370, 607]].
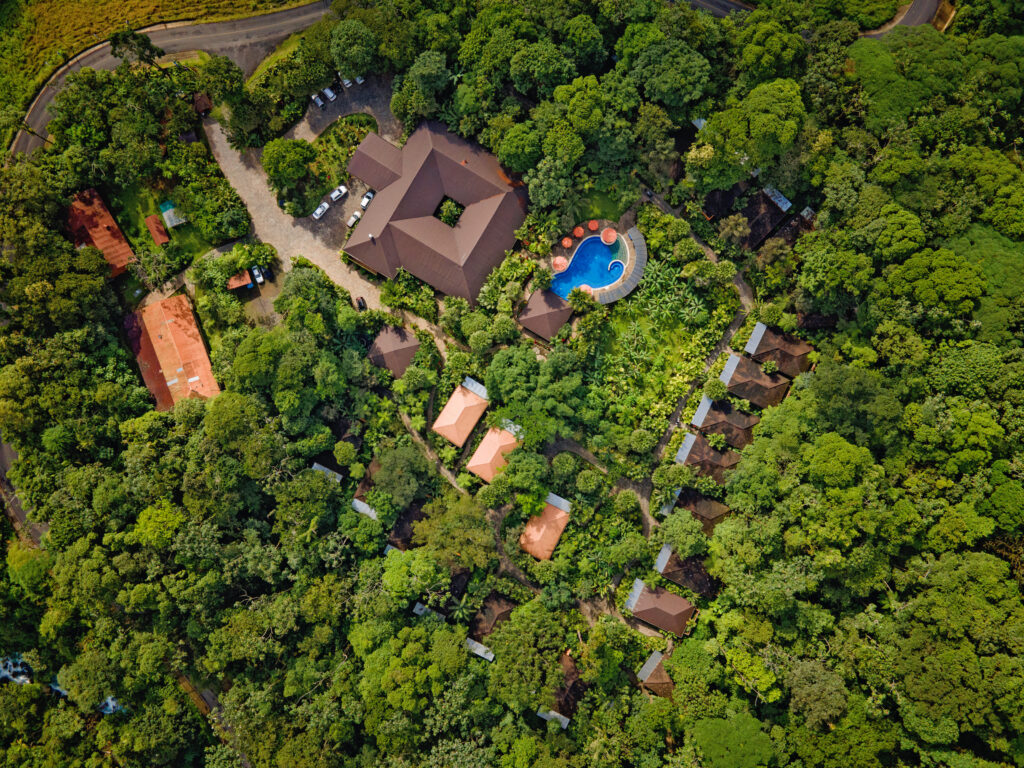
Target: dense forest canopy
[[864, 604]]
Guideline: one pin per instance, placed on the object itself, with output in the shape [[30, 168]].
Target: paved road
[[244, 41], [921, 12]]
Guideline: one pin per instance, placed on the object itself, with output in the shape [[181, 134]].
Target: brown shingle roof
[[489, 456], [155, 225], [542, 532], [459, 415], [745, 379], [721, 417], [568, 695], [545, 312], [495, 611], [708, 511], [399, 229], [660, 608], [90, 224], [394, 348], [654, 678], [689, 572], [697, 452], [788, 352], [170, 351]]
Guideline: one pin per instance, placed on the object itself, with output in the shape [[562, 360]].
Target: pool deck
[[634, 263]]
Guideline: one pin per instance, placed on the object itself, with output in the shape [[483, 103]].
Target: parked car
[[366, 199], [257, 274], [318, 101], [360, 79], [338, 192], [331, 95], [361, 304], [648, 192], [268, 273], [346, 82], [355, 217], [320, 211]]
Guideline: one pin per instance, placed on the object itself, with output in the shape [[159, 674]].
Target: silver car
[[338, 192], [354, 219], [331, 95], [320, 211], [366, 199]]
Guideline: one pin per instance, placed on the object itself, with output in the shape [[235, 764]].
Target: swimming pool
[[593, 263]]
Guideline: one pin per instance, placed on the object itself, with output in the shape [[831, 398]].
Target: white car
[[320, 211], [366, 199], [338, 192], [346, 82], [353, 219], [257, 273], [331, 95], [360, 79]]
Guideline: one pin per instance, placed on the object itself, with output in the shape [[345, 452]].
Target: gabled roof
[[399, 229], [90, 224], [155, 225], [402, 531], [394, 348], [170, 351], [708, 511], [660, 608], [542, 532], [489, 456], [495, 611], [689, 572], [654, 678], [789, 353], [697, 452], [545, 313], [376, 161], [744, 378], [460, 414], [721, 417]]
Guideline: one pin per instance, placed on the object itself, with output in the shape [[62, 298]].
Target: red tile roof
[[239, 280], [459, 415], [542, 532], [170, 351], [91, 224], [155, 225], [489, 456]]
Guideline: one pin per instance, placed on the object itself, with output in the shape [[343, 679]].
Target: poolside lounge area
[[633, 252]]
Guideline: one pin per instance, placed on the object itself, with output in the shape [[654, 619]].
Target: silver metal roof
[[685, 448], [755, 338], [479, 649], [364, 509], [634, 594], [475, 387], [669, 505], [559, 503], [662, 560], [550, 714], [649, 666], [317, 467], [730, 369], [702, 411]]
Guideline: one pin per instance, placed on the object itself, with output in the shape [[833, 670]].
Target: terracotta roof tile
[[459, 415], [489, 456], [91, 224]]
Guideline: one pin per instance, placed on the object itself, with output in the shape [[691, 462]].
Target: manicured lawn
[[37, 36], [131, 207], [601, 205]]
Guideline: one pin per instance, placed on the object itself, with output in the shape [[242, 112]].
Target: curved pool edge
[[636, 253]]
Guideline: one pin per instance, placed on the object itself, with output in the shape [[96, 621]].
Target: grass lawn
[[601, 205], [37, 36], [132, 205]]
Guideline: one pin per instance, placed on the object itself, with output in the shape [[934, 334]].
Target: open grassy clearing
[[131, 207]]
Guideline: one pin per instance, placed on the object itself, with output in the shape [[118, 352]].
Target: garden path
[[496, 518]]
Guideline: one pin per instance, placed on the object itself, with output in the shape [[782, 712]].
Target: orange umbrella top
[[566, 242], [608, 236], [578, 231], [592, 225]]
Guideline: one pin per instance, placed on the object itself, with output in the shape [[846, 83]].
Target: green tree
[[353, 48], [286, 163]]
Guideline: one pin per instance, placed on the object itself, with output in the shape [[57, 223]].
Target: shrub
[[715, 389], [589, 481]]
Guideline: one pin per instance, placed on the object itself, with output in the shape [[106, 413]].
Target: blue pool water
[[594, 264]]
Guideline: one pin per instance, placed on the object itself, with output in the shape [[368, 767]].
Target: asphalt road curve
[[921, 12], [244, 41]]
